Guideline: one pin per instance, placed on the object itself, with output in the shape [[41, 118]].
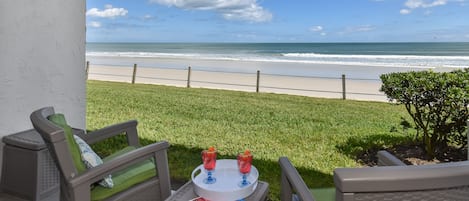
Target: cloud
[[108, 12], [467, 36], [361, 28], [412, 4], [316, 29], [246, 35], [405, 11], [415, 4], [461, 2], [148, 17], [94, 24], [242, 10]]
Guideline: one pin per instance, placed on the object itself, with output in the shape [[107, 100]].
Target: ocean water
[[285, 58]]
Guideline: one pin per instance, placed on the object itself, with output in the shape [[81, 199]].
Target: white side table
[[186, 192]]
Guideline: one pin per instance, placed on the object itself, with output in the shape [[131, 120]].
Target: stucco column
[[42, 61]]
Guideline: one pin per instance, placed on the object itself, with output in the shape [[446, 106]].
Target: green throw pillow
[[59, 120]]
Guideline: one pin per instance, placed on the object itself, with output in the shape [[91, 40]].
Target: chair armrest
[[387, 159], [129, 128], [157, 150], [291, 180], [402, 178]]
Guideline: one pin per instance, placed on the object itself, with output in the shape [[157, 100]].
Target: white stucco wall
[[42, 61]]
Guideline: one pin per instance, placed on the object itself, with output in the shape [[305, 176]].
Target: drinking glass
[[209, 158], [244, 165]]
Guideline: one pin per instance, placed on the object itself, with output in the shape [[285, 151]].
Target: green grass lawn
[[316, 134]]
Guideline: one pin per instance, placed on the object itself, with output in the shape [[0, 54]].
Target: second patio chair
[[396, 182]]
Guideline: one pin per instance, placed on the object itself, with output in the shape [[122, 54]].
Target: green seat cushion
[[118, 153], [125, 179], [59, 120], [323, 194]]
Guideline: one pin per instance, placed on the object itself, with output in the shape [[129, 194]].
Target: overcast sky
[[277, 20]]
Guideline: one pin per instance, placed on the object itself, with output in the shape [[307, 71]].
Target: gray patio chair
[[139, 173], [446, 181]]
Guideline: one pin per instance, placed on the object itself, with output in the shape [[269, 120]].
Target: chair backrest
[[292, 182], [54, 137], [447, 181], [387, 159]]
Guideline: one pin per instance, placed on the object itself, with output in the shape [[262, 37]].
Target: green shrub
[[437, 102]]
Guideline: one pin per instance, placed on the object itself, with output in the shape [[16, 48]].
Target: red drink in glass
[[209, 158], [244, 165]]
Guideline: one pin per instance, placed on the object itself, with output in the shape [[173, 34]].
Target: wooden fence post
[[258, 78], [189, 70], [87, 69], [343, 87], [134, 73]]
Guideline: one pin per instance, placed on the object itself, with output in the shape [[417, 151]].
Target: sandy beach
[[306, 69], [313, 86]]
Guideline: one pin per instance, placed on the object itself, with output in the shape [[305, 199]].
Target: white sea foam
[[314, 55], [385, 60], [140, 54], [414, 61]]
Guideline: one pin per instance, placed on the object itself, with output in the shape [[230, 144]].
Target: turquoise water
[[363, 54], [356, 60], [422, 49]]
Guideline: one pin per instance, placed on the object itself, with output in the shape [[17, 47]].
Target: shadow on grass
[[183, 160], [365, 148]]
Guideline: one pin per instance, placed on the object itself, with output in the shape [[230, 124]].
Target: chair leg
[[161, 159], [286, 191], [80, 193]]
